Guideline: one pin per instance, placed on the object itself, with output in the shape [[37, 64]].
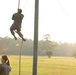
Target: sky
[[56, 17]]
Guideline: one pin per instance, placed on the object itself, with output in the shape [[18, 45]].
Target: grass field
[[46, 66]]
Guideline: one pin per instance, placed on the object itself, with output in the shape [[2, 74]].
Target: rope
[[62, 8], [18, 4], [20, 58], [25, 4]]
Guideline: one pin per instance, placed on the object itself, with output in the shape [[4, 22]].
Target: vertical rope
[[25, 4], [20, 58], [18, 4]]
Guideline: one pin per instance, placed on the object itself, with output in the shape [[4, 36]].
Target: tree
[[47, 45], [74, 55], [49, 53], [46, 37]]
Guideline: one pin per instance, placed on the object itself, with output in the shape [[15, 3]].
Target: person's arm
[[22, 16], [13, 17], [1, 69]]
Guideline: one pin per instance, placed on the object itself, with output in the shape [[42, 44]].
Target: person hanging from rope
[[16, 26], [5, 66]]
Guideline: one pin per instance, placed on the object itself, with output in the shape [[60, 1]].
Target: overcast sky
[[56, 17]]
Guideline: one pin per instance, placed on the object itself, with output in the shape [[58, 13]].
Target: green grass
[[46, 66]]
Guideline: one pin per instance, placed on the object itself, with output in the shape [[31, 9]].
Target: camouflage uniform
[[4, 69], [17, 17]]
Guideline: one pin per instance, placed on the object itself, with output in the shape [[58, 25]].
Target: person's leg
[[12, 32], [21, 35]]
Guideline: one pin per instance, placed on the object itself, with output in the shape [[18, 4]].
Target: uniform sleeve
[[22, 16], [1, 69], [13, 17]]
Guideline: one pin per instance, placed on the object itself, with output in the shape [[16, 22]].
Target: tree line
[[45, 47]]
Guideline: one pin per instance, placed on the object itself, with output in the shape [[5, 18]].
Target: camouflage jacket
[[4, 69]]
